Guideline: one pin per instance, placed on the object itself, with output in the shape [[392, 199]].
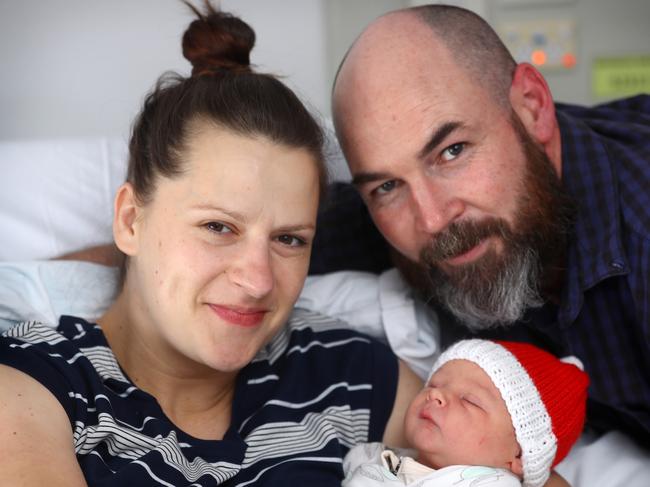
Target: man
[[523, 221]]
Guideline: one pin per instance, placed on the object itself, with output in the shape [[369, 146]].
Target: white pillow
[[45, 290], [57, 196]]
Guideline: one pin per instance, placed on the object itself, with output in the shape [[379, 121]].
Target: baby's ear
[[517, 467]]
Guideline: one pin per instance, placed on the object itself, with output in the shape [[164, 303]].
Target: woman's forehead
[[246, 174]]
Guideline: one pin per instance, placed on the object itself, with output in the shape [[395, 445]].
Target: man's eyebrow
[[438, 136], [369, 177]]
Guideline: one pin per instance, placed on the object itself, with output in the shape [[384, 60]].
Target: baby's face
[[460, 418]]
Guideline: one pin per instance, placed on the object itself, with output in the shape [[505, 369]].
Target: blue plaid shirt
[[604, 313]]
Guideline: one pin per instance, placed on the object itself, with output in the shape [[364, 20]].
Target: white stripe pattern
[[125, 442], [261, 380], [349, 426], [316, 343], [33, 332], [104, 362]]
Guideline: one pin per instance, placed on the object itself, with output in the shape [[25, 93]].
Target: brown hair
[[223, 90]]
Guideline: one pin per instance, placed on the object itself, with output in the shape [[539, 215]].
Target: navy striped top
[[312, 393]]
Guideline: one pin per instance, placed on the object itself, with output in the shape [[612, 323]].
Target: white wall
[[81, 67]]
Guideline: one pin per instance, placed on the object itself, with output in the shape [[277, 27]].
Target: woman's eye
[[453, 151], [218, 227], [291, 241]]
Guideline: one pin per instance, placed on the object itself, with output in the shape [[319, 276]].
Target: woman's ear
[[532, 101], [126, 210]]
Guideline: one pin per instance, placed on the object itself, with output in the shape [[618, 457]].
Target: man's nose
[[253, 271], [434, 207]]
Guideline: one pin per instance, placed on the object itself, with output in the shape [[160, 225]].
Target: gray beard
[[480, 303], [496, 290]]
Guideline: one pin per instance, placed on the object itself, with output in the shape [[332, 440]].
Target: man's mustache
[[460, 237]]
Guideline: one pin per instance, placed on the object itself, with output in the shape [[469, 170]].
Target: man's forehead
[[405, 124], [391, 42], [393, 27], [395, 91], [395, 68]]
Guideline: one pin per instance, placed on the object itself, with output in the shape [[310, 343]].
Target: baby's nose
[[436, 397]]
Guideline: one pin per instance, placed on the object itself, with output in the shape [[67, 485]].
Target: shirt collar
[[595, 251]]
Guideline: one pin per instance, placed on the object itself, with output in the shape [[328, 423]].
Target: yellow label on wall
[[621, 76]]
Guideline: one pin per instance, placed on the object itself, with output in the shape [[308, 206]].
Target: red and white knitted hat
[[545, 396]]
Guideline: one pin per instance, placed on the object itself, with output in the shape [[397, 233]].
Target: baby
[[491, 412]]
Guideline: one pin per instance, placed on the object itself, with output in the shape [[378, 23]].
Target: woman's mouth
[[247, 317]]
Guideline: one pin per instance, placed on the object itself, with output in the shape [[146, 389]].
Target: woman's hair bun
[[217, 41]]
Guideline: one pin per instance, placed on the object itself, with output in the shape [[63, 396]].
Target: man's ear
[[532, 101], [126, 210]]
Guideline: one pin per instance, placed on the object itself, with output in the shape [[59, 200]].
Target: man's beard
[[498, 288]]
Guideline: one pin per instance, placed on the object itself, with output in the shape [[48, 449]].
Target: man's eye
[[386, 187], [218, 227], [453, 151], [291, 241]]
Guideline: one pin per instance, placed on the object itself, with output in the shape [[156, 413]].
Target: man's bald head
[[392, 48], [473, 43]]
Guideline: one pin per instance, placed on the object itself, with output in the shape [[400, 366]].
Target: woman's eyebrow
[[297, 228], [233, 214]]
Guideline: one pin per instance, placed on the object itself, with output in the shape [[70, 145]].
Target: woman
[[200, 373]]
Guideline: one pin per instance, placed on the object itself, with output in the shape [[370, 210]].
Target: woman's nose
[[253, 272]]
